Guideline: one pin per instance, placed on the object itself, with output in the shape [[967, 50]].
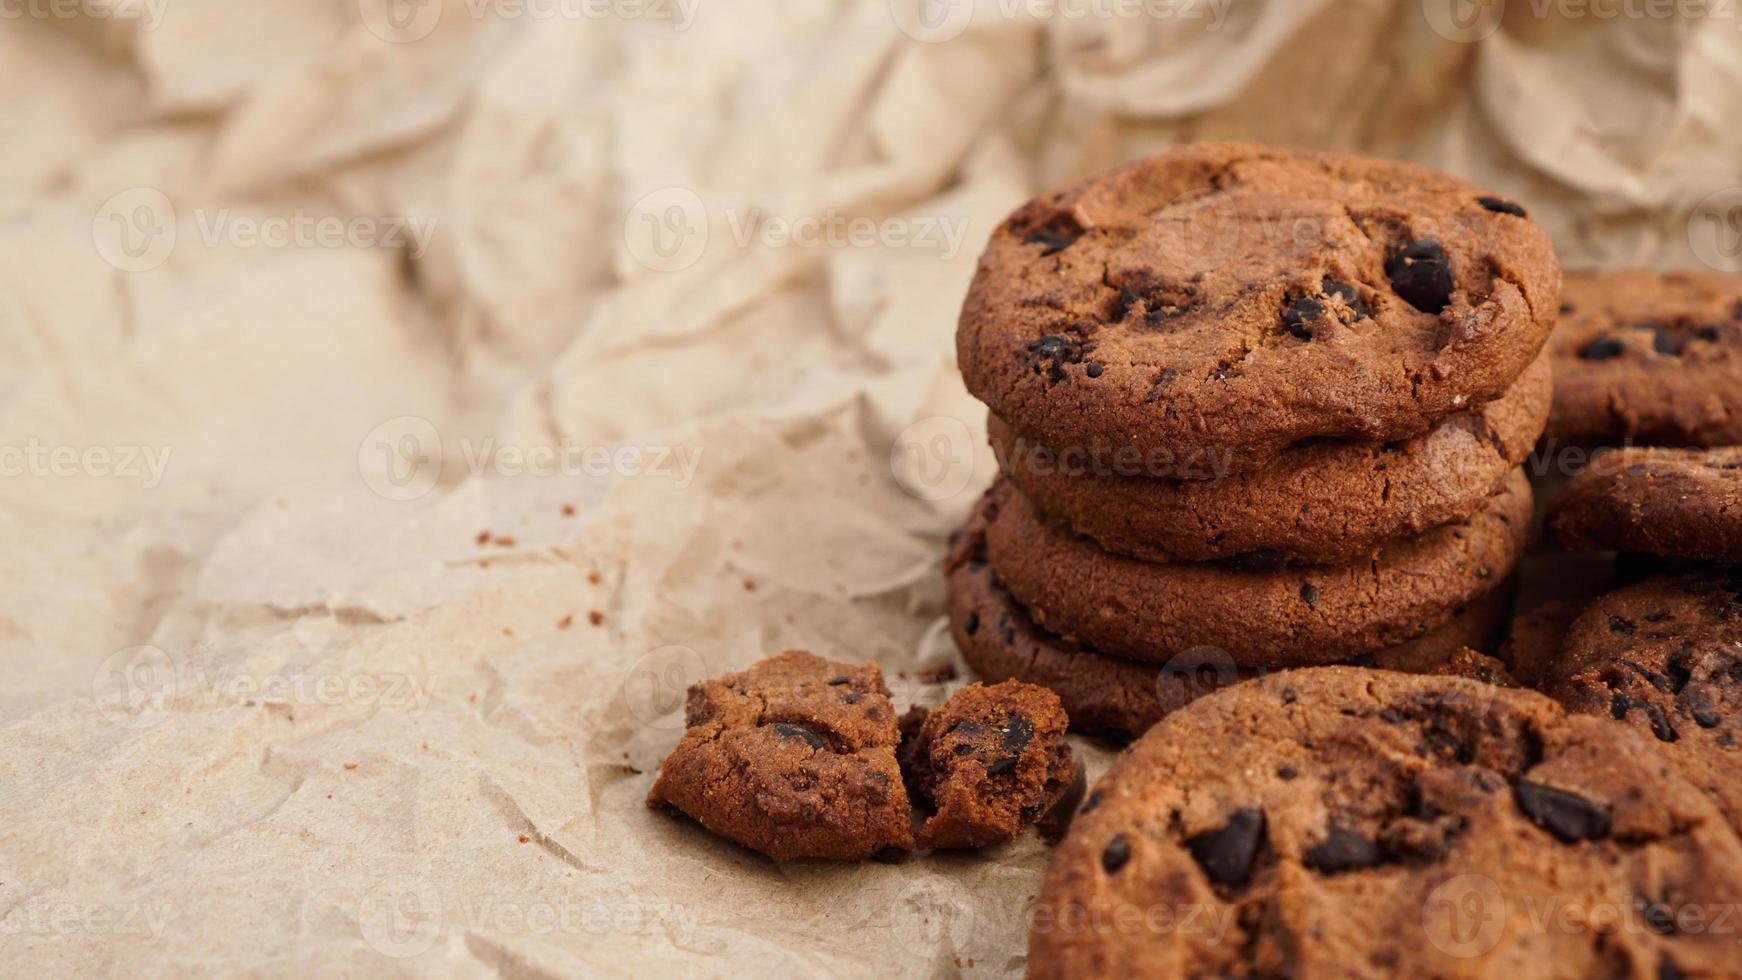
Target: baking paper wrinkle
[[272, 828]]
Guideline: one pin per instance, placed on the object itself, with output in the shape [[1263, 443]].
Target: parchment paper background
[[320, 657]]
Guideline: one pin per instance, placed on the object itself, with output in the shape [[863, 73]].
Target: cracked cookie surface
[[1257, 611], [1665, 656], [1337, 822], [1674, 503], [795, 757], [1226, 301], [1326, 503], [1653, 358]]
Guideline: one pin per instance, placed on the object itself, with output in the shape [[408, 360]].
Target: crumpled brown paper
[[344, 632]]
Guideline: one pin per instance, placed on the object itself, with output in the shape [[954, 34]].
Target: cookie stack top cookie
[[1224, 302]]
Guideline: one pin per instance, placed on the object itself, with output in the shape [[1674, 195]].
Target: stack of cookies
[[1254, 409]]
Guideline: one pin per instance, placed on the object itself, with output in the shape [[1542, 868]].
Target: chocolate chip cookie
[[1665, 655], [991, 760], [1326, 503], [1675, 503], [1338, 822], [1255, 609], [1224, 302], [1116, 697], [1646, 357], [795, 757]]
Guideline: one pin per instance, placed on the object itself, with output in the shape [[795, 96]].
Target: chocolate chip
[[838, 681], [1054, 240], [1018, 732], [1226, 854], [971, 624], [1117, 852], [800, 733], [1093, 801], [1298, 316], [1001, 766], [851, 699], [1422, 274], [1309, 594], [1621, 704], [1570, 818], [1094, 369], [1601, 349], [1342, 850], [1620, 626], [1501, 206], [1257, 561], [1285, 773], [1058, 350], [1350, 296], [1288, 695], [963, 748], [1665, 341]]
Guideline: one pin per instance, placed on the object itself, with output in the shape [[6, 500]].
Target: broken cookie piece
[[992, 760], [794, 758]]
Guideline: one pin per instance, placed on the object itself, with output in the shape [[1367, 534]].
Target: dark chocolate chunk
[[1500, 205], [1569, 817], [1299, 316], [1422, 274], [971, 624], [1342, 850], [1602, 349], [1226, 854], [1118, 852], [800, 733]]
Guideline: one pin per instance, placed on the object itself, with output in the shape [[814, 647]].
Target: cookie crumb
[[565, 622], [596, 617], [484, 537], [350, 765], [568, 510]]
